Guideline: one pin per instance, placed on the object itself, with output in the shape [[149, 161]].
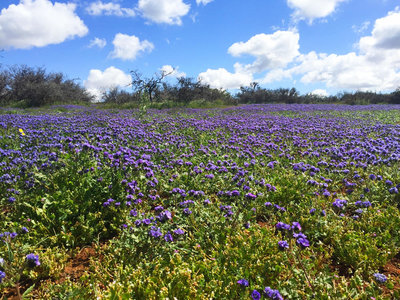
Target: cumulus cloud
[[221, 78], [376, 66], [349, 71], [270, 50], [204, 2], [109, 9], [98, 82], [97, 42], [164, 11], [37, 23], [128, 47], [174, 72], [320, 93], [312, 9], [275, 75], [386, 33]]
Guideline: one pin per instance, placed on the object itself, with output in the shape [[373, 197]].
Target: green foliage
[[23, 86], [67, 208]]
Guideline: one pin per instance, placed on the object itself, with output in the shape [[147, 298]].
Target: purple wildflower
[[207, 201], [255, 295], [381, 278], [155, 232], [32, 260], [251, 196], [339, 203], [187, 211], [283, 245], [282, 226], [168, 237], [272, 294], [304, 243], [296, 225], [179, 231], [243, 282]]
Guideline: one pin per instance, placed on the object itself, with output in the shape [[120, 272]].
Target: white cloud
[[164, 11], [271, 50], [174, 72], [376, 67], [349, 71], [362, 28], [97, 42], [221, 78], [275, 75], [204, 2], [312, 9], [99, 82], [320, 93], [37, 23], [109, 9], [386, 33], [128, 47]]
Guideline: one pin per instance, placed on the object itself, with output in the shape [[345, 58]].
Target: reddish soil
[[392, 270], [78, 264], [75, 268], [12, 294]]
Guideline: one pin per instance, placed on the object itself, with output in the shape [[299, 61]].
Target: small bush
[[23, 86]]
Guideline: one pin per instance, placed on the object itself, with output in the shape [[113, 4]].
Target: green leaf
[[10, 253], [27, 292]]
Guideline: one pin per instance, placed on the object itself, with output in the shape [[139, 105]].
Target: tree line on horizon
[[25, 86]]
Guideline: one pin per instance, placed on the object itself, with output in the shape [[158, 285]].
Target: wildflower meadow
[[246, 202]]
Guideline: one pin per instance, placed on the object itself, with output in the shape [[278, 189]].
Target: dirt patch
[[80, 263], [12, 293], [393, 266], [77, 265], [392, 270]]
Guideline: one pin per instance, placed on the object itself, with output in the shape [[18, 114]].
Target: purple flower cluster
[[227, 210], [8, 235], [381, 278], [283, 245], [363, 203], [339, 203], [179, 231], [243, 282], [165, 216], [32, 260], [256, 295], [155, 232], [272, 294], [283, 226], [301, 239]]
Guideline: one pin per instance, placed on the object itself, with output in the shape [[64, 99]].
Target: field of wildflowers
[[249, 202]]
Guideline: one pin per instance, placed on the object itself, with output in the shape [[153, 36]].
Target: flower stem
[[304, 271]]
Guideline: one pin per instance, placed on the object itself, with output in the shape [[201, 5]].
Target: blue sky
[[320, 46]]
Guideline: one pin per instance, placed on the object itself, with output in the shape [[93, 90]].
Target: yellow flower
[[22, 132]]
